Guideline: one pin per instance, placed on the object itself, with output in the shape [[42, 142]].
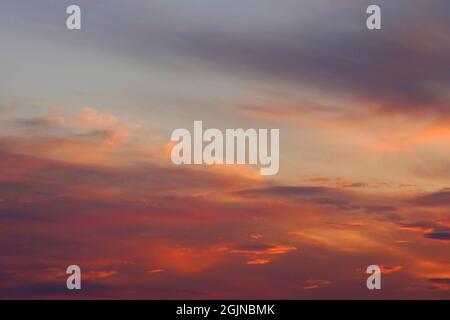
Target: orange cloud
[[259, 261], [90, 275], [266, 250], [155, 271], [182, 259], [314, 284], [390, 269]]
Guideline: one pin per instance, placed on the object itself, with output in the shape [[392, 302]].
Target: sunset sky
[[86, 176]]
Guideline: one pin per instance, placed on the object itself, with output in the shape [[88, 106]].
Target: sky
[[85, 170]]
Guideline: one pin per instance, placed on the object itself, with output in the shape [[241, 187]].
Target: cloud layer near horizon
[[154, 229]]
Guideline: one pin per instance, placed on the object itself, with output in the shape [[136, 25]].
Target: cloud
[[440, 284], [390, 269], [398, 71], [440, 198], [318, 195], [155, 270], [258, 261], [429, 229], [314, 284], [443, 281], [438, 236], [54, 290], [262, 249], [99, 274], [422, 226], [340, 240], [182, 259], [337, 198]]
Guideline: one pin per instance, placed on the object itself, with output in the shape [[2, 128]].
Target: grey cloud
[[440, 198], [440, 280], [405, 67], [438, 236]]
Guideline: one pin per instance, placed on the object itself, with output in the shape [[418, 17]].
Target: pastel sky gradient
[[85, 170]]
